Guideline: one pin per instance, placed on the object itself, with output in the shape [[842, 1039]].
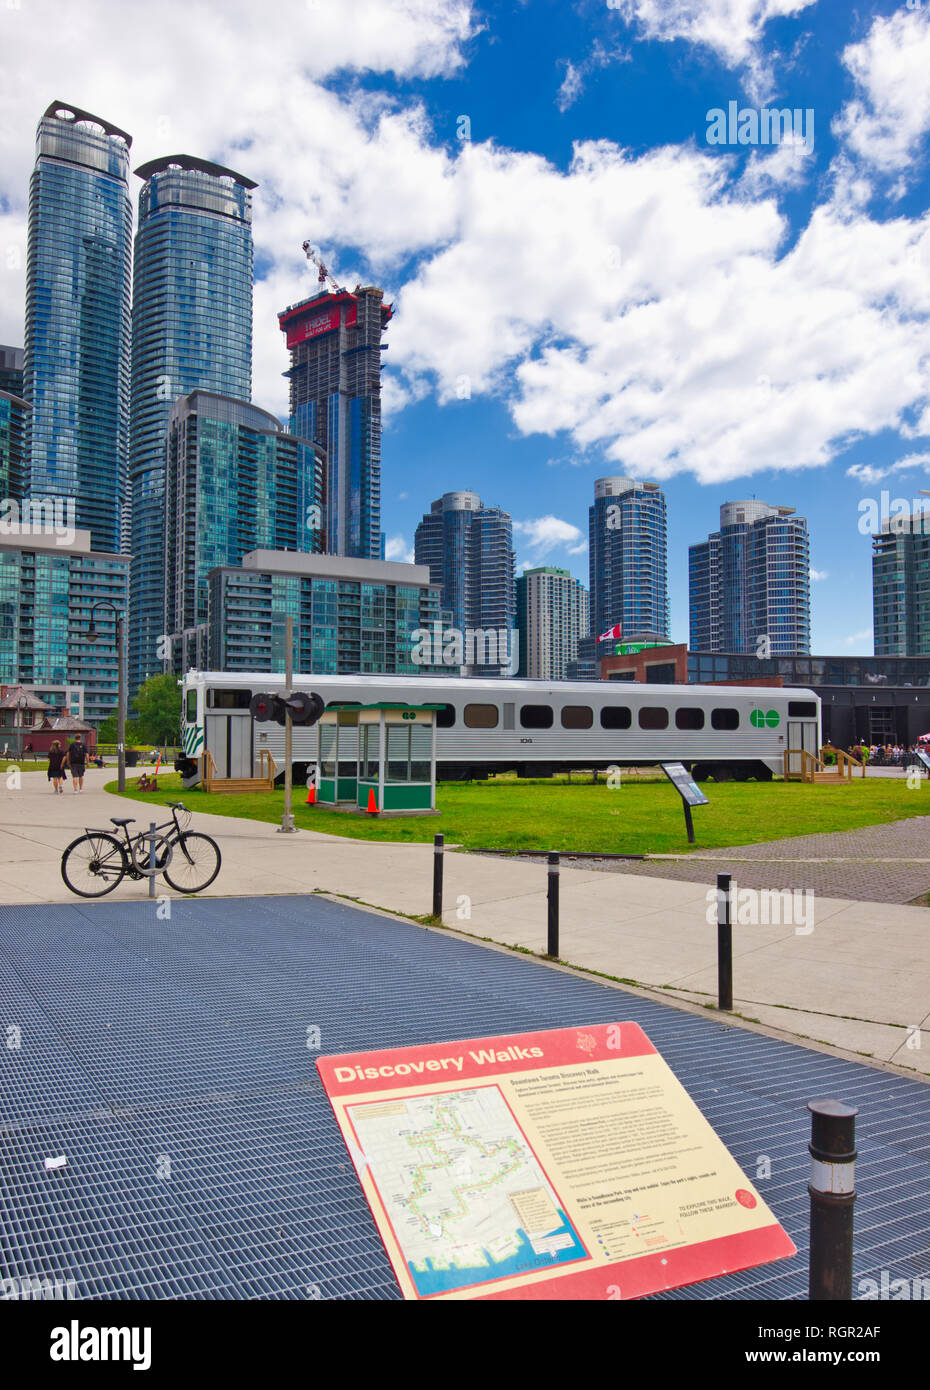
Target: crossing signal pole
[[287, 709]]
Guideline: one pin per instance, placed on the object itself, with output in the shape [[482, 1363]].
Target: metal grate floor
[[168, 1061]]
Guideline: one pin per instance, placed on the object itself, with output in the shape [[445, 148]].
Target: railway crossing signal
[[303, 709]]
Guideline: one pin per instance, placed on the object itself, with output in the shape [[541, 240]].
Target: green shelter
[[385, 748]]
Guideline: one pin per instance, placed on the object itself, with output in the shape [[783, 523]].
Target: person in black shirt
[[56, 762], [77, 761]]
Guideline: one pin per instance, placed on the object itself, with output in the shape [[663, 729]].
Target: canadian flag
[[616, 631]]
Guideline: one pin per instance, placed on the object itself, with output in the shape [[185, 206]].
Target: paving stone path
[[887, 863]]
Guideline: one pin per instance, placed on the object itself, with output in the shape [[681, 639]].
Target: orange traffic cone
[[311, 794], [372, 807]]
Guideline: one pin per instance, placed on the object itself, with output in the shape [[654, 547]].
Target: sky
[[592, 273]]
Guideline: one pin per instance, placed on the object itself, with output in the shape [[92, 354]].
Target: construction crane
[[323, 275]]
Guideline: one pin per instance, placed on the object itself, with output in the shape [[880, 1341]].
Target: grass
[[641, 817]]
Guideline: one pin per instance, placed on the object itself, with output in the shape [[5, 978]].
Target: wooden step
[[829, 777], [238, 784]]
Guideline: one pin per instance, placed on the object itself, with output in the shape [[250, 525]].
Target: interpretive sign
[[569, 1164], [924, 758], [684, 784]]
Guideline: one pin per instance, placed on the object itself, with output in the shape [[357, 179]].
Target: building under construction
[[334, 339]]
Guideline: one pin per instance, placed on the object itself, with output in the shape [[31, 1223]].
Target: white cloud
[[717, 352], [242, 84], [817, 575], [864, 636], [396, 548], [868, 473], [732, 29], [547, 533], [788, 166], [576, 73], [888, 119]]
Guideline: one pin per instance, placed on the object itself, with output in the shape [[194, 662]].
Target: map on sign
[[923, 758], [465, 1195]]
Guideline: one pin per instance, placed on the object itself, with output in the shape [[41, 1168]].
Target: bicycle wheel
[[142, 855], [93, 865], [195, 863]]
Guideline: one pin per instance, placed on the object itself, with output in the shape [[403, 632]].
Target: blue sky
[[584, 286]]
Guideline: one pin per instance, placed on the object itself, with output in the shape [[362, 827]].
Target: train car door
[[802, 734], [229, 739]]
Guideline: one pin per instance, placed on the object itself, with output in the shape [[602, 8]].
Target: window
[[616, 717], [192, 707], [661, 673], [802, 709], [370, 750], [689, 719], [577, 717], [228, 699], [535, 717], [481, 716], [445, 717], [724, 719], [653, 717]]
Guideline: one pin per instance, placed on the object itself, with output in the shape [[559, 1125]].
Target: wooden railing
[[800, 764], [267, 767]]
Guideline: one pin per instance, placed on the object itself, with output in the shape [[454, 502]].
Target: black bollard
[[438, 842], [724, 944], [552, 948], [832, 1191]]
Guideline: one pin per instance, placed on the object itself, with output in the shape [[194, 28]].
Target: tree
[[158, 709], [108, 731]]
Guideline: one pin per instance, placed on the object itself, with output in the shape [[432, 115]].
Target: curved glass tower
[[191, 329], [78, 277]]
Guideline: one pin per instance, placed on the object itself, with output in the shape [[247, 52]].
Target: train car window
[[192, 707], [481, 716], [653, 717], [445, 717], [724, 718], [689, 718], [802, 709], [228, 699], [508, 716], [536, 716], [616, 717], [577, 716]]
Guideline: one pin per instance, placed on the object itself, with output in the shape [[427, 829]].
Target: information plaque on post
[[568, 1164], [688, 790]]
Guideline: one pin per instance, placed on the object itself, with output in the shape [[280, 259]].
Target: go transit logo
[[765, 719]]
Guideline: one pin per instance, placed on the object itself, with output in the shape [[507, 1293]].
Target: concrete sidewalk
[[858, 982]]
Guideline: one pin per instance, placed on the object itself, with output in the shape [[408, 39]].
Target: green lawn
[[638, 818]]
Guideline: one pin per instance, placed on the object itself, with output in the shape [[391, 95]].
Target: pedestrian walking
[[77, 762], [56, 766]]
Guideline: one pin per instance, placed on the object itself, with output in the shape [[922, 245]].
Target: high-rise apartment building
[[235, 482], [350, 616], [191, 328], [628, 558], [76, 360], [11, 370], [901, 586], [14, 413], [552, 615], [49, 583], [469, 551], [334, 340], [749, 583]]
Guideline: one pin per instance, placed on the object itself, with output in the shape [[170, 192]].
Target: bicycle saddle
[[126, 820]]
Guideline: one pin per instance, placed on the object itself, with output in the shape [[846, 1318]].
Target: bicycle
[[97, 861]]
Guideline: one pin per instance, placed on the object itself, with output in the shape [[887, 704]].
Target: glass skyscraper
[[335, 375], [235, 482], [191, 328], [628, 558], [901, 585], [469, 550], [76, 362], [751, 580]]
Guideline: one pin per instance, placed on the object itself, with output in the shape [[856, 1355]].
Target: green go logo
[[409, 714], [762, 719]]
